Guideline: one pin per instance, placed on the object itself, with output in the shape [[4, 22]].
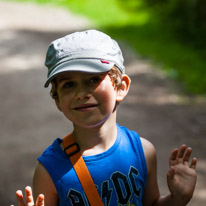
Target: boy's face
[[86, 99]]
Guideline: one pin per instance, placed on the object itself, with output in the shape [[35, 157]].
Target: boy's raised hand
[[182, 176], [29, 198]]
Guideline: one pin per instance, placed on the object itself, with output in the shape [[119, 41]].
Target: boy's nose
[[82, 93]]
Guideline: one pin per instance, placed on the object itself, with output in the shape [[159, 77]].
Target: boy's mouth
[[85, 106]]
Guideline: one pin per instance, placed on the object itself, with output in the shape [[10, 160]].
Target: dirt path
[[29, 119]]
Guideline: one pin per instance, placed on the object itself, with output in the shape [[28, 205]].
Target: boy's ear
[[123, 90]]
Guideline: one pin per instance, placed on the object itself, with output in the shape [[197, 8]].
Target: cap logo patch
[[105, 62]]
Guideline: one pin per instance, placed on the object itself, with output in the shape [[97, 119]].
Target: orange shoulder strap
[[71, 148]]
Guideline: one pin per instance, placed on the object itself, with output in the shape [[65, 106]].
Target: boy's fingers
[[173, 154], [20, 198], [29, 196], [193, 163], [187, 155], [181, 151], [173, 157], [40, 200]]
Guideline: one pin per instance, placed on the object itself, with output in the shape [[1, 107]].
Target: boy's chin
[[97, 124]]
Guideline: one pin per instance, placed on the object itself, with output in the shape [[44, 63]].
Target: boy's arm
[[181, 177], [151, 191], [43, 184]]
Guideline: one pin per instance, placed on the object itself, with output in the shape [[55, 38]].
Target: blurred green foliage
[[171, 32], [185, 18], [178, 28]]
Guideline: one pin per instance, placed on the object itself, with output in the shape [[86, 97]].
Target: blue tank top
[[119, 174]]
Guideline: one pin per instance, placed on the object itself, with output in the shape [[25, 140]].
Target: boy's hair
[[114, 73]]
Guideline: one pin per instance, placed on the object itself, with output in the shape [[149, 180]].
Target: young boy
[[88, 81]]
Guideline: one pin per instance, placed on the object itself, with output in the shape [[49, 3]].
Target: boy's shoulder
[[149, 152], [147, 145]]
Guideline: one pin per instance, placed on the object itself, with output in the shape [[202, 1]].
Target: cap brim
[[80, 65]]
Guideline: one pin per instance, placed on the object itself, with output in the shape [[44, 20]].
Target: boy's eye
[[69, 84], [95, 80]]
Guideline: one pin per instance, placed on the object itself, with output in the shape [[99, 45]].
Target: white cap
[[88, 51]]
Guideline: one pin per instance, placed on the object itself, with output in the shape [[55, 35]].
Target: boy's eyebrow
[[64, 78], [61, 79]]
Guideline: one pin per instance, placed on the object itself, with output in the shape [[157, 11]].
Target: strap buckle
[[72, 149]]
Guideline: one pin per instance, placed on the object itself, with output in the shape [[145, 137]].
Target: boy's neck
[[97, 139]]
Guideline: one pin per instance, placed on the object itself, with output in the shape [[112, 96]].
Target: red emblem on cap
[[105, 62]]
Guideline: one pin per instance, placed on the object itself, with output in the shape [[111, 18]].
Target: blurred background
[[164, 46]]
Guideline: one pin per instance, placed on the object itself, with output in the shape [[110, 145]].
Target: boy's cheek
[[103, 86]]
